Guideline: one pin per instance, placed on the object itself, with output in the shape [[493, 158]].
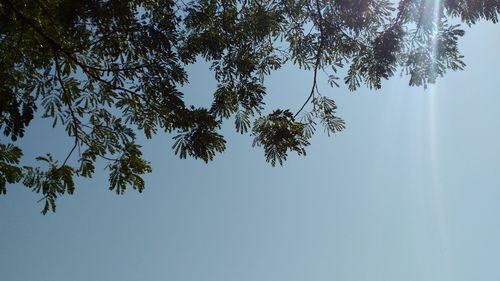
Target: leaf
[[242, 121]]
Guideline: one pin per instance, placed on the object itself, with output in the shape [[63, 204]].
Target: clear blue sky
[[410, 191]]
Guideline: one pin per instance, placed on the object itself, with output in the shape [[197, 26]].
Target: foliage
[[106, 69], [277, 133], [9, 171]]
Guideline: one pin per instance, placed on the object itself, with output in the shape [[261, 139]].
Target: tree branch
[[86, 68], [319, 22]]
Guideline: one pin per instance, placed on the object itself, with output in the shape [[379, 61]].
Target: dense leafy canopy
[[106, 69]]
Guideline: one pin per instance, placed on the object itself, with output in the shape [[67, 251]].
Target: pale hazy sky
[[410, 191]]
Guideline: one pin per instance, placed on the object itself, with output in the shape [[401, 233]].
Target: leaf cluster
[[278, 133]]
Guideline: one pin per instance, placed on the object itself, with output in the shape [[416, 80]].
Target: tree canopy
[[106, 69]]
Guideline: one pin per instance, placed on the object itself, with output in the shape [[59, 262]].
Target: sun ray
[[433, 142]]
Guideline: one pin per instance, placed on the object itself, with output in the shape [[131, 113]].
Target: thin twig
[[67, 100]]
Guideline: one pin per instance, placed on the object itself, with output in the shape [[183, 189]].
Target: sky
[[409, 191]]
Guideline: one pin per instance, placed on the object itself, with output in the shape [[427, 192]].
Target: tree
[[105, 69]]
